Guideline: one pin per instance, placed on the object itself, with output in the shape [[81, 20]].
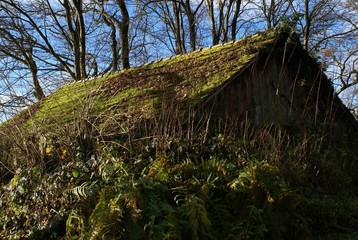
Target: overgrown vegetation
[[262, 185], [128, 161]]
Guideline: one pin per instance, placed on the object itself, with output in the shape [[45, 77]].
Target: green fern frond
[[74, 225], [219, 214], [194, 208], [106, 218], [203, 170], [84, 190]]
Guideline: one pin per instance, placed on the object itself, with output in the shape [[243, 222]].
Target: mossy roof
[[136, 93]]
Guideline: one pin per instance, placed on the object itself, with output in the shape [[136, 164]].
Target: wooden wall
[[261, 93]]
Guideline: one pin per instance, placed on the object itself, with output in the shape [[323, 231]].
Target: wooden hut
[[281, 84], [267, 78]]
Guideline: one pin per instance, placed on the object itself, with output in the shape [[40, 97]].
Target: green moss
[[254, 41], [138, 92], [64, 104], [205, 88]]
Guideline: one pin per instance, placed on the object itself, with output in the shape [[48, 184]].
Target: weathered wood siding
[[261, 93], [282, 92]]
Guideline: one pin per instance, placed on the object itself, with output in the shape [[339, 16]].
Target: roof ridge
[[114, 73]]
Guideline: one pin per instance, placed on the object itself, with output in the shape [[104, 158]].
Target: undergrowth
[[263, 185]]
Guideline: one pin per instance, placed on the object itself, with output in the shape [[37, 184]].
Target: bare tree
[[171, 13], [77, 30], [124, 30], [223, 15], [17, 43], [73, 32], [329, 30], [119, 26], [340, 53], [318, 16], [273, 12], [191, 13], [111, 22], [16, 89], [50, 24]]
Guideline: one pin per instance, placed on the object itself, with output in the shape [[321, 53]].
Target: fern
[[219, 214], [111, 167], [202, 170], [84, 190], [194, 209], [74, 225], [120, 200], [106, 218]]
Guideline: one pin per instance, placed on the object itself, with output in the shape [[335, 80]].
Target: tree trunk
[[307, 26], [214, 34], [234, 19], [124, 34], [81, 30], [272, 13], [108, 21], [192, 25], [74, 40], [78, 37], [177, 33], [38, 92]]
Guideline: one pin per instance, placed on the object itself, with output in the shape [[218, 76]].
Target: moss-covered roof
[[136, 93]]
